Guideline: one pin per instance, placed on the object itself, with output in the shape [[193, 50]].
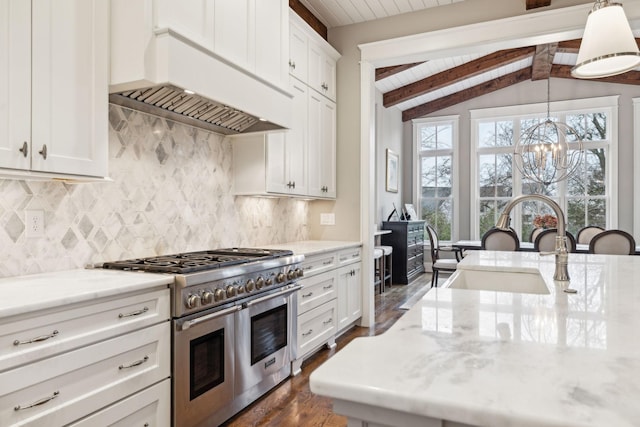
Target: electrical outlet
[[34, 223], [327, 219]]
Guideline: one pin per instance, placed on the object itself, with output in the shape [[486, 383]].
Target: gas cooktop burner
[[189, 262]]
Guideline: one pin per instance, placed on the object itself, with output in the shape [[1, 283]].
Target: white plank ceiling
[[336, 13]]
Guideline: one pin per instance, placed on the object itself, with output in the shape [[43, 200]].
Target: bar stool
[[387, 262], [378, 268]]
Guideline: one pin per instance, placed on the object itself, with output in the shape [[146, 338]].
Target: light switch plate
[[327, 219]]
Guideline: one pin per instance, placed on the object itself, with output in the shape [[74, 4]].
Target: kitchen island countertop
[[34, 292], [490, 358], [315, 247]]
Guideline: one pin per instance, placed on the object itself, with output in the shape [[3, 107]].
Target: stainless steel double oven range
[[234, 327]]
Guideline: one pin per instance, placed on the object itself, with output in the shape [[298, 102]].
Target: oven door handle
[[284, 290], [189, 323]]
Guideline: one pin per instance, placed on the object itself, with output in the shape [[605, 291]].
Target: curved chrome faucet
[[561, 252]]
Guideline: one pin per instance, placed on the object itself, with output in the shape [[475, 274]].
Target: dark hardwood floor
[[292, 403]]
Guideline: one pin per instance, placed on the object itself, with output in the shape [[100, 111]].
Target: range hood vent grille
[[173, 103]]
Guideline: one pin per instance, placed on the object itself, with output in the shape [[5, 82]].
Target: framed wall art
[[392, 171]]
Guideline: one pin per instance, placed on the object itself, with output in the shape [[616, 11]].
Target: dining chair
[[613, 242], [585, 234], [437, 263], [500, 240], [545, 241]]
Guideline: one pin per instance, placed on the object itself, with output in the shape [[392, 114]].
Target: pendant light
[[543, 154], [608, 46]]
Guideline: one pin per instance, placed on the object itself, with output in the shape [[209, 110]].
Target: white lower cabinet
[[323, 292], [150, 407], [65, 364]]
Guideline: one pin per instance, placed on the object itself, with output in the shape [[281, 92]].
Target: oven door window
[[268, 333], [206, 363]]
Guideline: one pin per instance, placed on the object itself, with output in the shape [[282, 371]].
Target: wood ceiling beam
[[384, 72], [454, 75], [308, 17], [628, 78], [542, 61], [467, 94], [534, 4]]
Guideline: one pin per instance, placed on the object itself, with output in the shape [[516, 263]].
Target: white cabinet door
[[277, 174], [349, 294], [296, 137], [322, 146], [15, 83], [272, 40], [298, 46], [69, 86], [322, 71]]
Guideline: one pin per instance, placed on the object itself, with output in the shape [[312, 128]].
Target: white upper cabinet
[[58, 116], [322, 146], [311, 58]]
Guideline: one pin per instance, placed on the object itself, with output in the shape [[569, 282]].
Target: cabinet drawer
[[349, 255], [150, 407], [316, 264], [316, 291], [85, 380], [316, 326], [25, 340]]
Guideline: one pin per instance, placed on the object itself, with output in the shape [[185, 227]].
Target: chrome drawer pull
[[134, 313], [36, 339], [37, 402], [327, 322], [327, 263], [308, 268], [327, 287], [307, 295], [306, 334], [134, 364]]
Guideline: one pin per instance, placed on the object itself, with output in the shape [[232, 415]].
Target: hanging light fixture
[[608, 46], [543, 153]]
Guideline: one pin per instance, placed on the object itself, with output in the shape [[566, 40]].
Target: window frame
[[606, 104], [454, 121]]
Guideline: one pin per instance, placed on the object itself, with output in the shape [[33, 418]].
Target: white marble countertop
[[314, 247], [24, 294], [507, 359]]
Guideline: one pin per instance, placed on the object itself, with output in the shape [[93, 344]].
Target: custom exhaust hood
[[161, 72], [173, 103]]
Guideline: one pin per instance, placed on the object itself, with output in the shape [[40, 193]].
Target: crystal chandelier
[[543, 153]]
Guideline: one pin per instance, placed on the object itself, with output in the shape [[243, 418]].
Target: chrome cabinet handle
[[326, 322], [307, 295], [36, 339], [292, 65], [324, 86], [327, 287], [43, 152], [134, 313], [37, 402], [306, 334], [134, 364], [327, 263], [25, 149]]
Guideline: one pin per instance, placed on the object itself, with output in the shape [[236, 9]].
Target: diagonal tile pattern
[[171, 192]]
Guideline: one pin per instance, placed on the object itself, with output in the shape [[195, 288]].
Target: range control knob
[[240, 289], [219, 294], [291, 275], [280, 278], [299, 272], [250, 285], [206, 297], [192, 301], [269, 281], [231, 291], [259, 282]]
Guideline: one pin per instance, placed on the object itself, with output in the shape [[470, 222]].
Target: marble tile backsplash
[[171, 192]]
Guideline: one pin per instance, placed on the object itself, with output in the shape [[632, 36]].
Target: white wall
[[389, 136]]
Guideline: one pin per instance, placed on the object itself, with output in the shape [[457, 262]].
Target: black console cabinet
[[408, 248]]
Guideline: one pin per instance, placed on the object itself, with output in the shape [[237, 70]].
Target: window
[[436, 142], [586, 197]]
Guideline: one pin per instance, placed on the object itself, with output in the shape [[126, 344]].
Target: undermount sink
[[502, 281]]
